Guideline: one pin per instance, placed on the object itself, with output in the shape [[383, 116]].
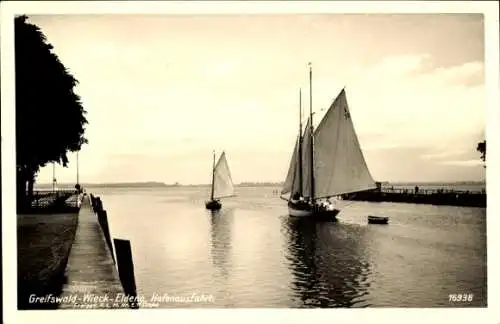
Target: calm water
[[251, 254]]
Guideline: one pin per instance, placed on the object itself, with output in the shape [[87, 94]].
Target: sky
[[163, 91]]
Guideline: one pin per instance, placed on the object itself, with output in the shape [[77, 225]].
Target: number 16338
[[460, 297]]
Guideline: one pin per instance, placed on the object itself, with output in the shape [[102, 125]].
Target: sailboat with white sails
[[222, 183], [326, 162]]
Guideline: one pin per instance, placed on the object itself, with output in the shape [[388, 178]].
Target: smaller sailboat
[[222, 183]]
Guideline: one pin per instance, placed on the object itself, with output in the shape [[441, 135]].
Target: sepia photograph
[[168, 158]]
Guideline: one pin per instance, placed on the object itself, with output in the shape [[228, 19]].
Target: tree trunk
[[24, 188], [31, 182], [21, 190]]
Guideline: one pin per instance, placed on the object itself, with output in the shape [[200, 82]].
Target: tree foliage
[[481, 148], [50, 118]]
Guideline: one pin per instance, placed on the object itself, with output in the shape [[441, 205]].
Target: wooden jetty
[[52, 202], [92, 278], [422, 196]]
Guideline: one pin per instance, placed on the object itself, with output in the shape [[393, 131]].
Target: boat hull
[[213, 205], [378, 220], [299, 212], [303, 210]]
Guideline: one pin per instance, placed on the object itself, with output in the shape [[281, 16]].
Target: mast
[[300, 143], [77, 170], [53, 177], [312, 132], [213, 178]]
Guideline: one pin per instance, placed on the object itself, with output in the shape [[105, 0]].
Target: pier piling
[[126, 269], [98, 205], [102, 218]]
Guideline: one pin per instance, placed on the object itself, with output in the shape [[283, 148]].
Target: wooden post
[[94, 204], [126, 268], [102, 217], [92, 201], [98, 205]]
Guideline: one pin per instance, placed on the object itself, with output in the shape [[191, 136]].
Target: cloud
[[466, 163], [422, 114], [398, 65], [468, 74], [223, 69], [443, 154], [407, 164], [231, 83], [424, 109]]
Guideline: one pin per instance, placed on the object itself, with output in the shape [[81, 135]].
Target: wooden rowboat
[[378, 219]]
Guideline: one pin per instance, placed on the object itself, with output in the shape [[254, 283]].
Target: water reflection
[[220, 230], [327, 262], [255, 258]]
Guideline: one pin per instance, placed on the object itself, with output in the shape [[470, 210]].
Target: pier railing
[[121, 252], [414, 191], [55, 201], [450, 197]]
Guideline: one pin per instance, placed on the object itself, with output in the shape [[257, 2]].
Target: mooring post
[[92, 201], [94, 204], [98, 205], [102, 218], [126, 269]]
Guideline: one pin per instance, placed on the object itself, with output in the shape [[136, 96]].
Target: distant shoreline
[[152, 184], [147, 185]]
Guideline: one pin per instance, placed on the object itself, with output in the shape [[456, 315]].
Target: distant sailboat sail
[[339, 164], [223, 183]]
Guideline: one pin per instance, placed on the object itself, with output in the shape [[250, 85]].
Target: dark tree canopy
[[50, 118], [481, 148]]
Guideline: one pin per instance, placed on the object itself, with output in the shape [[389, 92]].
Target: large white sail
[[339, 164], [292, 170], [223, 184]]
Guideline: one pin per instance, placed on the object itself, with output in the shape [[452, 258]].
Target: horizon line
[[248, 182]]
